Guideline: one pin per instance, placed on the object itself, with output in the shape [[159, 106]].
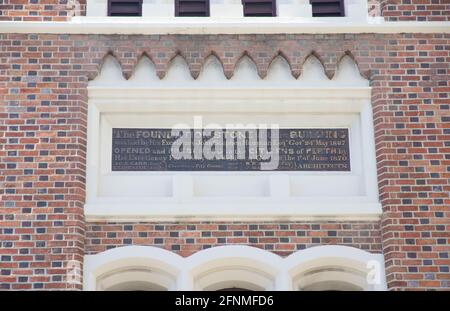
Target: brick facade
[[188, 238], [416, 10], [43, 117], [41, 10]]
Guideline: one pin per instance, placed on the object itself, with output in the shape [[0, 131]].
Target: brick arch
[[140, 55], [242, 55], [280, 53], [363, 69], [163, 67], [162, 70], [206, 56], [319, 58], [99, 62]]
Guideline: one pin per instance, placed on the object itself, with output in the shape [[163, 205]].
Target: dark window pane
[[327, 8], [259, 7], [124, 7], [191, 7]]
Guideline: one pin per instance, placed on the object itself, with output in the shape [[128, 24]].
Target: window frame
[[178, 5], [341, 7], [273, 7], [127, 1]]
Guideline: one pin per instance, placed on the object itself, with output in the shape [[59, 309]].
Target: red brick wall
[[188, 238], [416, 10], [43, 81], [42, 161], [411, 115], [40, 10]]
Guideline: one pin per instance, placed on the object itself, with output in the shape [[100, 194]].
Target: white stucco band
[[316, 268], [210, 25], [311, 101]]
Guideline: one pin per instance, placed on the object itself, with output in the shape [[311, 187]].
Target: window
[[191, 7], [125, 8], [259, 7], [327, 8]]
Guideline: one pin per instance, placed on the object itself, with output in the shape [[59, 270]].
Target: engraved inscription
[[299, 150]]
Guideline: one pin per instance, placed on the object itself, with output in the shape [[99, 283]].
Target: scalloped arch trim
[[279, 74]]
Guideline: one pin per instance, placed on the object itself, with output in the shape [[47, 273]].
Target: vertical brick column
[[411, 114], [42, 156]]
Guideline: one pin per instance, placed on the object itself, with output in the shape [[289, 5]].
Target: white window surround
[[317, 268], [312, 100], [355, 10]]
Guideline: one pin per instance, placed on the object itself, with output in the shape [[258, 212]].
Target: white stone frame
[[165, 266], [115, 102], [277, 206], [236, 265]]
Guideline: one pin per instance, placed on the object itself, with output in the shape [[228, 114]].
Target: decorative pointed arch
[[279, 69], [109, 72], [212, 70], [245, 69], [348, 73], [144, 73], [279, 54], [313, 71], [163, 64], [316, 56], [98, 62], [178, 70], [364, 72], [192, 62], [145, 54]]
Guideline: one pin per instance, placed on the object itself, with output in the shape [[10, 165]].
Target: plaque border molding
[[277, 207]]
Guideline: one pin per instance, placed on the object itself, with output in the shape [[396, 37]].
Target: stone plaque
[[318, 149]]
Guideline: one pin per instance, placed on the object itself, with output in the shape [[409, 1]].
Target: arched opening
[[335, 268], [232, 278], [234, 289], [132, 268], [134, 279], [331, 279], [235, 268], [229, 267]]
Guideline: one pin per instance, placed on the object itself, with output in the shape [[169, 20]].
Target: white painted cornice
[[209, 25]]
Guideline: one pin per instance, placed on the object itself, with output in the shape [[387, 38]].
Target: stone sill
[[208, 25]]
